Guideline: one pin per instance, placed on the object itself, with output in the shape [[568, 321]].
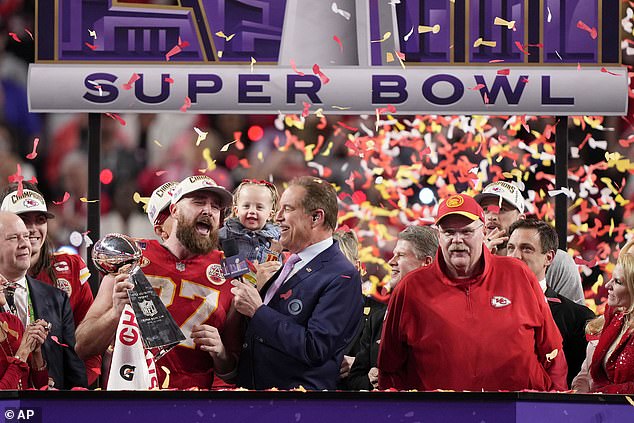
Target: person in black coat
[[535, 243]]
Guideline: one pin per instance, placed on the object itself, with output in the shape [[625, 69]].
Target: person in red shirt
[[186, 272], [612, 367], [471, 320]]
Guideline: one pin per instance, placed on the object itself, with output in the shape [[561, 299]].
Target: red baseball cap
[[461, 204]]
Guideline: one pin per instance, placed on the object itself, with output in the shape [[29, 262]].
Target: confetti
[[160, 172], [91, 46], [521, 48], [29, 32], [211, 164], [592, 31], [253, 62], [105, 176], [385, 37], [503, 22], [176, 49], [422, 29], [226, 146], [506, 71], [409, 34], [128, 86], [186, 105], [338, 41], [169, 80], [15, 37], [92, 34], [627, 397], [33, 154], [117, 118], [56, 340], [604, 70], [255, 133], [85, 200], [64, 199], [341, 12], [295, 68], [202, 136], [549, 18], [322, 76], [138, 199], [480, 42], [226, 37]]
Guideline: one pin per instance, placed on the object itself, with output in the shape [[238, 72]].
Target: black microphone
[[234, 265]]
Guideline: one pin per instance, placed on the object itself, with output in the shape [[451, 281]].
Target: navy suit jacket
[[299, 337], [51, 304]]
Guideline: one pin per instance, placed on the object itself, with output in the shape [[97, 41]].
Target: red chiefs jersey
[[71, 276], [195, 292]]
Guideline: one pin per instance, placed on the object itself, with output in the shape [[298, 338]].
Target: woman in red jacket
[[22, 365], [612, 366]]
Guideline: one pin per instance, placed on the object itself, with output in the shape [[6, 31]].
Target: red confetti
[[604, 70], [135, 77], [322, 76], [255, 133], [581, 262], [232, 161], [359, 197], [176, 49], [65, 199], [186, 105], [506, 71], [521, 48], [477, 87], [295, 68], [15, 37], [56, 340], [160, 172], [338, 41], [496, 61], [524, 80], [117, 118], [91, 46], [348, 127], [486, 98], [33, 154], [390, 108], [591, 31], [169, 80], [105, 176], [17, 177], [306, 110]]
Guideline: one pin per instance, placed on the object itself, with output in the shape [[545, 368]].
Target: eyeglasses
[[463, 233]]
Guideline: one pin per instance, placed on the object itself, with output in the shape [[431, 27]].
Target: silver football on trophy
[[114, 251]]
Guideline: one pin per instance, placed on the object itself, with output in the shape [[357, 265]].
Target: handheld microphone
[[234, 264]]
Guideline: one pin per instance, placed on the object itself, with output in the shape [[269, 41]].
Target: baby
[[250, 225]]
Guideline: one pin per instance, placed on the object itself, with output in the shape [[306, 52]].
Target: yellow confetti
[[386, 36], [85, 200], [597, 285], [260, 156], [319, 113], [341, 107], [327, 150], [138, 199], [220, 52], [630, 400], [433, 29], [389, 57], [503, 22], [158, 143], [253, 61], [226, 37], [226, 146], [611, 226], [211, 164], [482, 42]]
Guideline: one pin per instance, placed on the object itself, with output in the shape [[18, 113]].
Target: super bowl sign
[[556, 57]]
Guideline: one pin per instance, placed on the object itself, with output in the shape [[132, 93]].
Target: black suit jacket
[[368, 350], [52, 305], [571, 319]]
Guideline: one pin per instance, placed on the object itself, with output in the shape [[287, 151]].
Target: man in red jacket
[[470, 321]]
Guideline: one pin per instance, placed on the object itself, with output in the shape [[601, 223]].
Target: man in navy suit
[[36, 300], [305, 315]]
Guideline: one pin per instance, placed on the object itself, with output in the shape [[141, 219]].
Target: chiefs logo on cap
[[455, 201], [29, 203]]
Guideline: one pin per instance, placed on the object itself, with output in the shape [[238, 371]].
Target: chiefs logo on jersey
[[499, 301], [64, 285], [144, 262], [61, 266], [215, 275]]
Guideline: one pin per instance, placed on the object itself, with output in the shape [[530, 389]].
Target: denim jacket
[[255, 245]]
